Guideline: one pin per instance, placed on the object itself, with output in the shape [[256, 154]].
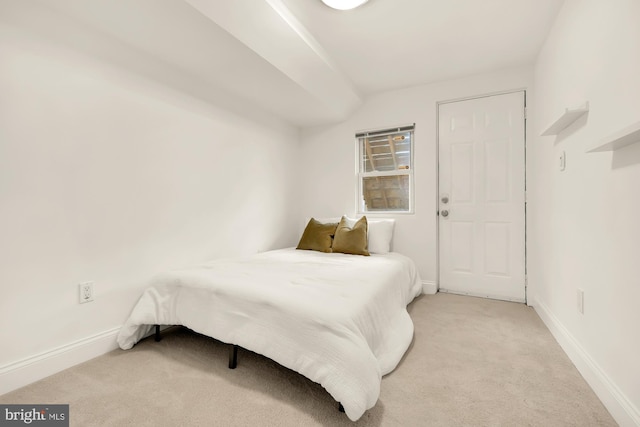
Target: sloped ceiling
[[311, 65]]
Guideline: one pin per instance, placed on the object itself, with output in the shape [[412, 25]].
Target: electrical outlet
[[580, 300], [86, 292]]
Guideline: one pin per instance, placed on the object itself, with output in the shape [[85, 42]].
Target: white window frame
[[361, 174]]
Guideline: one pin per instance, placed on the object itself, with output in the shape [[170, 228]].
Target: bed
[[339, 319]]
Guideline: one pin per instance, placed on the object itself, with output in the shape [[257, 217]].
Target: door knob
[[445, 199], [445, 213]]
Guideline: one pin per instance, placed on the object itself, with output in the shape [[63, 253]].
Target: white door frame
[[437, 212]]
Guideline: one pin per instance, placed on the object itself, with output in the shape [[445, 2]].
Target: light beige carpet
[[473, 362]]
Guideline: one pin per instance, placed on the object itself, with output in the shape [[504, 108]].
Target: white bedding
[[340, 320]]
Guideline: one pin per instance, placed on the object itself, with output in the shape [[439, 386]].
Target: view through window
[[385, 170]]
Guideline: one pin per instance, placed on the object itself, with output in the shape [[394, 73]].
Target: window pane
[[386, 152], [386, 193]]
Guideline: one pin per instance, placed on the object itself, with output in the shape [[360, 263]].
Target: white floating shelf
[[567, 118], [622, 138]]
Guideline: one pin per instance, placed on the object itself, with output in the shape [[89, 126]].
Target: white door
[[481, 196]]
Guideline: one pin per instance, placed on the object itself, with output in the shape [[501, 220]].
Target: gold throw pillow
[[351, 240], [317, 236]]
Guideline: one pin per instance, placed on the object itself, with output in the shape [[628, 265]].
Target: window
[[385, 170]]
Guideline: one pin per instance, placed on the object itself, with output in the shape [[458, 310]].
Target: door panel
[[462, 174], [481, 196], [497, 170], [461, 245], [497, 248]]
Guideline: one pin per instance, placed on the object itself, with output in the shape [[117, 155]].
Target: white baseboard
[[621, 408], [23, 372], [429, 287]]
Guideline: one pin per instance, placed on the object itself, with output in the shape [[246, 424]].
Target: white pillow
[[379, 235], [326, 220]]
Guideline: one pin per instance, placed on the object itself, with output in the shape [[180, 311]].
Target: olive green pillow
[[317, 236], [351, 240]]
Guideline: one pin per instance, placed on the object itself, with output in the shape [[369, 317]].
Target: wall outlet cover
[[86, 292]]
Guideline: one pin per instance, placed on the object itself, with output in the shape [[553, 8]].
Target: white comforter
[[340, 320]]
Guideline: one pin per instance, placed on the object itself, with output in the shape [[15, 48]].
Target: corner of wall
[[623, 411]]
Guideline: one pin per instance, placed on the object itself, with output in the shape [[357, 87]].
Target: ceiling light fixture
[[344, 4]]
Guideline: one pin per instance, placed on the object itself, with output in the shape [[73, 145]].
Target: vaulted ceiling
[[309, 64]]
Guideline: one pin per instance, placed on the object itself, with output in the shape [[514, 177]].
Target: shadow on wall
[[627, 156], [571, 129]]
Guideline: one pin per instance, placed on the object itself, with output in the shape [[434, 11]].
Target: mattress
[[340, 320]]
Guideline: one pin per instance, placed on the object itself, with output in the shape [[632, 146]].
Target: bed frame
[[233, 350], [233, 357]]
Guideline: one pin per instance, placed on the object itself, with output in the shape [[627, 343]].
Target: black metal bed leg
[[233, 356], [157, 333], [340, 407]]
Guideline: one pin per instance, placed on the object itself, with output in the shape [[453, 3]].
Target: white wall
[[328, 157], [584, 227], [109, 175]]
